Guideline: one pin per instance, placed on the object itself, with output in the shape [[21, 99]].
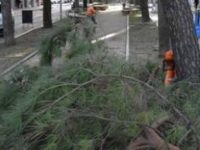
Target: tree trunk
[[137, 2], [163, 28], [144, 10], [183, 38], [131, 1], [8, 23], [76, 3], [196, 2], [85, 4], [47, 19]]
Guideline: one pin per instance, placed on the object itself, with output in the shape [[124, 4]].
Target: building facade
[[18, 4]]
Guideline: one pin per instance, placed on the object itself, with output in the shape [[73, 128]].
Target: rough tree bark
[[47, 19], [85, 4], [8, 22], [76, 3], [137, 2], [131, 1], [183, 38], [144, 10], [163, 28]]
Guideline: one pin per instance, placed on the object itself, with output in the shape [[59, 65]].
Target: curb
[[12, 67], [26, 32], [18, 63]]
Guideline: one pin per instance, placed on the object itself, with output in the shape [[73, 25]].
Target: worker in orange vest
[[91, 13], [169, 67]]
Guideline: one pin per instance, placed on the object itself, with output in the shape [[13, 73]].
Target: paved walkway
[[21, 29], [111, 27], [144, 43]]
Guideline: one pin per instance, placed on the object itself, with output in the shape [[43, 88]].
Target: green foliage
[[78, 121], [19, 82], [79, 43], [51, 45], [88, 104], [176, 133], [48, 109], [84, 145], [80, 46]]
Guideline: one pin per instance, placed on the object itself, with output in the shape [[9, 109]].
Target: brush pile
[[95, 101]]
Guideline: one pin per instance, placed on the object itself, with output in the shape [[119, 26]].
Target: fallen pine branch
[[151, 140], [176, 110], [173, 107]]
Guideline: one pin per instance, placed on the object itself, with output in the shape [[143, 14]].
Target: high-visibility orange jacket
[[90, 11]]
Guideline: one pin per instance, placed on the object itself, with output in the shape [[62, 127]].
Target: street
[[37, 18]]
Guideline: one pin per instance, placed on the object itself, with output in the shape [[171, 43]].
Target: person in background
[[91, 13], [123, 4]]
